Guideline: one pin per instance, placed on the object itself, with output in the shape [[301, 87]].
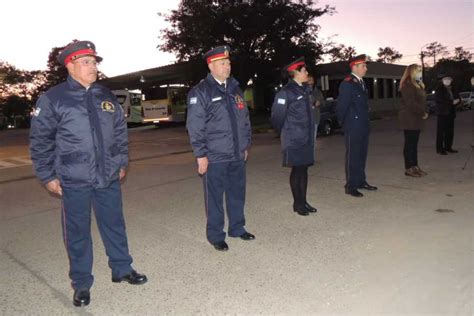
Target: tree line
[[263, 35]]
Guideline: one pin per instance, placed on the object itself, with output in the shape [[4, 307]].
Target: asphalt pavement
[[407, 249]]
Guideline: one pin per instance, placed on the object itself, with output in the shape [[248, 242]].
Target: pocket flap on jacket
[[114, 150], [75, 157]]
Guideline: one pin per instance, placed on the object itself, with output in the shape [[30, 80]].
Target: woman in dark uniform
[[292, 118]]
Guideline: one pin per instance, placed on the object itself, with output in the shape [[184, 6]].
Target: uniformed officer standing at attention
[[219, 130], [79, 148], [292, 117], [353, 114]]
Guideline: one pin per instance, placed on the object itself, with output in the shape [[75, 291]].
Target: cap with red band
[[360, 59], [218, 53], [295, 64], [76, 50]]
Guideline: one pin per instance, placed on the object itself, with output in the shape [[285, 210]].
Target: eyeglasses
[[86, 62]]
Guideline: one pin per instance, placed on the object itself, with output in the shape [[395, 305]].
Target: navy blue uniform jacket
[[79, 136], [444, 101], [218, 121], [352, 105], [293, 119]]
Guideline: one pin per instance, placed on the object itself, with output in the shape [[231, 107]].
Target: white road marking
[[13, 162]]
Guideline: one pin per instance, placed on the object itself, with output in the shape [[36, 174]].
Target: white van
[[155, 105], [138, 111], [168, 101]]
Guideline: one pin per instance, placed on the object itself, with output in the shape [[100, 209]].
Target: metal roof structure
[[373, 69], [178, 73], [183, 72]]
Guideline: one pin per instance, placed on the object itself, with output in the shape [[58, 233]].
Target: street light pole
[[422, 55]]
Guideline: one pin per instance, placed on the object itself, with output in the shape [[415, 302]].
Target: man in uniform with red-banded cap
[[79, 149], [353, 114], [219, 130]]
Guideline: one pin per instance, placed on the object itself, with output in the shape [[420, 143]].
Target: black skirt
[[299, 156]]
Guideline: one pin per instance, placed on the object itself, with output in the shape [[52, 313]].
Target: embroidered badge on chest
[[107, 106], [240, 102]]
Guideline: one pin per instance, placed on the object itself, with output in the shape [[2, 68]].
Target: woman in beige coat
[[411, 115]]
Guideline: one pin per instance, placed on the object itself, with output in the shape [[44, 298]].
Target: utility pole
[[422, 56]]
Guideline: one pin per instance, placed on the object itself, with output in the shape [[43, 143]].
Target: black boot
[[300, 210], [309, 208]]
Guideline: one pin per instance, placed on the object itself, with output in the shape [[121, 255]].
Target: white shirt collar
[[220, 82], [360, 79]]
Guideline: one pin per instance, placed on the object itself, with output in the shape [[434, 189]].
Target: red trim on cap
[[88, 51], [212, 58], [356, 62], [296, 65]]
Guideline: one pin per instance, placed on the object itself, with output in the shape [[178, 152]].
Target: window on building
[[389, 87], [397, 88], [333, 91], [380, 88], [369, 83]]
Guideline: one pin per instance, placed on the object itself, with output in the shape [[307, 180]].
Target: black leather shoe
[[309, 208], [369, 187], [82, 297], [452, 151], [354, 193], [247, 236], [221, 246], [301, 211], [442, 152], [132, 278]]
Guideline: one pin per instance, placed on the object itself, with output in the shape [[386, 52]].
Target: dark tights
[[410, 148], [299, 184]]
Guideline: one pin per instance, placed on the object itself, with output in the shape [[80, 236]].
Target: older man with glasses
[[79, 148]]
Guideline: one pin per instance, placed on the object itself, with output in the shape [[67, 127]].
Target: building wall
[[383, 92]]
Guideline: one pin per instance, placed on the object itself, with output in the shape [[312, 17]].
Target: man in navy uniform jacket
[[219, 130], [353, 113], [79, 148]]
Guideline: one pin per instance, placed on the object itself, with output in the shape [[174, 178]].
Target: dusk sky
[[126, 32]]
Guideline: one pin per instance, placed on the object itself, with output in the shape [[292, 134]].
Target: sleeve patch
[[193, 100], [281, 101]]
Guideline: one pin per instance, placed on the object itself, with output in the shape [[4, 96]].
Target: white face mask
[[447, 82]]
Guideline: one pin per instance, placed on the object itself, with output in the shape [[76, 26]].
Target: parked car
[[430, 104], [328, 120], [467, 100]]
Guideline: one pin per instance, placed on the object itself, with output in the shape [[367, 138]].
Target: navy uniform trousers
[[76, 222], [357, 145], [228, 178]]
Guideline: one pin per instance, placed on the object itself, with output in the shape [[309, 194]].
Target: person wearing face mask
[[292, 118], [411, 115], [446, 100]]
